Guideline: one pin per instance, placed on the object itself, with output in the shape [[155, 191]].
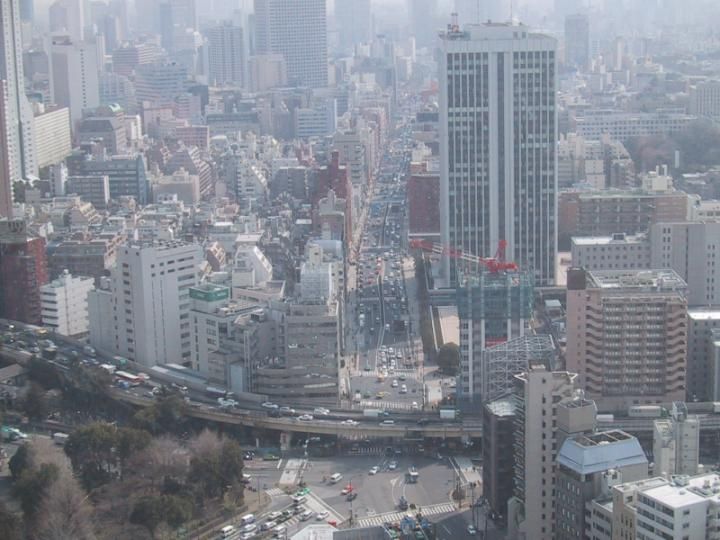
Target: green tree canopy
[[448, 358]]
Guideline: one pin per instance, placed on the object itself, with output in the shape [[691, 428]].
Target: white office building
[[65, 305], [226, 55], [74, 80], [147, 298], [316, 281], [298, 31], [498, 137]]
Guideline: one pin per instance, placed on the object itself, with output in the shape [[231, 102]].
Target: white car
[[269, 405], [267, 525], [374, 471], [350, 422], [306, 417], [392, 465], [321, 410], [322, 515], [394, 383]]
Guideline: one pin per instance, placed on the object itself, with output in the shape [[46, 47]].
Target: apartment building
[[618, 251], [703, 370], [627, 335]]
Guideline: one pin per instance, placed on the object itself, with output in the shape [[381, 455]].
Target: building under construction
[[493, 307], [498, 365]]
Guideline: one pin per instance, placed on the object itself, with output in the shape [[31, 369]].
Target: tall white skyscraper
[[16, 136], [498, 132], [297, 29], [74, 79], [226, 54]]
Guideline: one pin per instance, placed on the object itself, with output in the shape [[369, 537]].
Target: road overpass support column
[[285, 440]]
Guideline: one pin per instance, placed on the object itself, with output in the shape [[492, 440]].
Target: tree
[[24, 459], [448, 358], [32, 486], [91, 450], [230, 464], [151, 511], [147, 512], [129, 442], [10, 524], [35, 404], [163, 458], [66, 513]]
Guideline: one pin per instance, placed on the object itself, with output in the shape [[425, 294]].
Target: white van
[[247, 519], [227, 531], [335, 478]]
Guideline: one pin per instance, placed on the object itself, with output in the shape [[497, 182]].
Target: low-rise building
[[64, 304]]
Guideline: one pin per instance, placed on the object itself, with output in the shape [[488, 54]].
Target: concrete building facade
[[627, 335], [492, 187], [64, 304]]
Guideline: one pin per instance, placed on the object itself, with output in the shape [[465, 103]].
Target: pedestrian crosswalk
[[379, 519], [275, 492], [373, 373], [384, 404]]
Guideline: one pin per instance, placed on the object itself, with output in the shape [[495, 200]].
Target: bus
[[134, 380]]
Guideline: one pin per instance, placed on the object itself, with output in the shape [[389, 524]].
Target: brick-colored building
[[423, 195], [23, 270], [602, 213]]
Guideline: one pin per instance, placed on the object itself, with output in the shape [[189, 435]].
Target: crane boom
[[494, 264]]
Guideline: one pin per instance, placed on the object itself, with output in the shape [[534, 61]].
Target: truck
[[716, 407], [372, 413], [448, 414], [60, 438], [645, 411], [607, 418]]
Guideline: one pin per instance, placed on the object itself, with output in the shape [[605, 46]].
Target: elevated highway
[[258, 419]]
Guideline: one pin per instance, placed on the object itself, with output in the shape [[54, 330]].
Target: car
[[423, 421], [321, 410], [322, 515], [267, 525], [347, 489], [414, 406], [403, 389], [247, 535], [306, 417], [367, 395], [352, 496], [392, 465], [350, 422], [471, 530], [402, 377], [250, 527], [394, 384], [279, 531], [374, 470], [269, 405], [307, 514]]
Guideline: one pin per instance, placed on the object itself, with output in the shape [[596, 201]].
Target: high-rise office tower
[[577, 41], [68, 17], [16, 136], [480, 11], [226, 55], [297, 29], [74, 80], [354, 22], [423, 19], [498, 133]]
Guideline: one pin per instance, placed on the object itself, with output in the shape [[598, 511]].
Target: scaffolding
[[499, 364]]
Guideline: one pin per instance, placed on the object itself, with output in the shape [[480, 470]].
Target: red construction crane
[[494, 264]]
